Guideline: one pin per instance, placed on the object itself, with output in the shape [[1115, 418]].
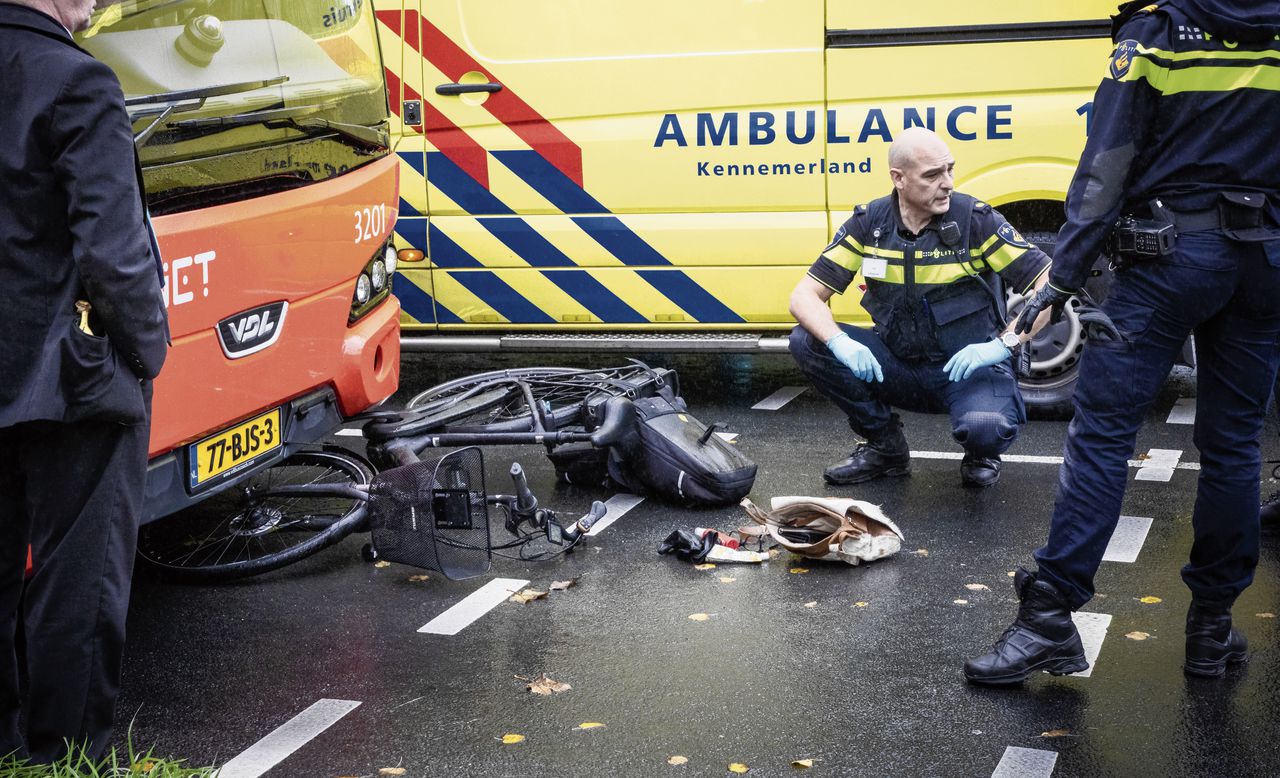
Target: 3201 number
[[371, 222]]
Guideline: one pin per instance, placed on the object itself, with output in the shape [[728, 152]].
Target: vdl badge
[[231, 449]]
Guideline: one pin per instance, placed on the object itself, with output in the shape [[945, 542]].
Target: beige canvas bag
[[851, 531]]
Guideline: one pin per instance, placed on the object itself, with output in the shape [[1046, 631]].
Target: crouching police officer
[[933, 260], [1182, 146]]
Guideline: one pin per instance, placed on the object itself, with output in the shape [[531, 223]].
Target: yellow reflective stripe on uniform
[[1203, 78], [1178, 56], [1004, 256], [824, 283], [983, 248], [940, 274], [876, 251], [844, 256]]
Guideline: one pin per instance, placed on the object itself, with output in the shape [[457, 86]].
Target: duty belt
[[1242, 215]]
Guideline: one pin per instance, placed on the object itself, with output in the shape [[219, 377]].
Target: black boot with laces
[[884, 454], [1043, 637], [1212, 643]]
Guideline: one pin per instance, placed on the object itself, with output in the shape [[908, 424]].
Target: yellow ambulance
[[657, 175]]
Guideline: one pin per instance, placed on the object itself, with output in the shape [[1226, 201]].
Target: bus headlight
[[389, 258], [378, 274], [363, 289]]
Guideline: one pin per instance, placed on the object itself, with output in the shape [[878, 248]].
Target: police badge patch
[[1011, 236], [1126, 50]]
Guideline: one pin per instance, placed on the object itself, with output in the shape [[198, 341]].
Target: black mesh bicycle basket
[[432, 514]]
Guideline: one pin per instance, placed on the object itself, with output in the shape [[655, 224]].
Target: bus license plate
[[231, 449]]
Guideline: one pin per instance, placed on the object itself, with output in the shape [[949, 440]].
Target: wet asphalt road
[[855, 668]]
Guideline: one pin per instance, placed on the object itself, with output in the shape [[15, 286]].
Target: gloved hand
[[855, 356], [973, 356], [1049, 296]]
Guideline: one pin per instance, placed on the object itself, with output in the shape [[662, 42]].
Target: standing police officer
[[930, 257], [1183, 138]]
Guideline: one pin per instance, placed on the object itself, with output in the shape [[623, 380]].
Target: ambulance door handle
[[462, 89]]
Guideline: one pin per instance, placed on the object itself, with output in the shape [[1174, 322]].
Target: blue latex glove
[[857, 357], [973, 356]]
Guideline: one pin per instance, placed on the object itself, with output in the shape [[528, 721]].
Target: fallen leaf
[[419, 578], [589, 725], [391, 771], [544, 685], [976, 587], [1141, 457], [738, 767], [704, 566], [1149, 600], [698, 617], [527, 596], [560, 586], [678, 760], [511, 738], [798, 570], [1011, 573], [1266, 615], [860, 604], [813, 604], [1137, 635], [921, 552], [382, 563], [727, 579], [1056, 733], [774, 553], [961, 602], [802, 764]]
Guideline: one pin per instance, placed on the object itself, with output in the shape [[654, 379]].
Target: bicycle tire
[[561, 392], [257, 534]]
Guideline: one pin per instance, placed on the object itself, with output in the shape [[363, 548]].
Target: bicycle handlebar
[[526, 502]]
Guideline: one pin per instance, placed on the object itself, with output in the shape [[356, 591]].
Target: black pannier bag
[[673, 456]]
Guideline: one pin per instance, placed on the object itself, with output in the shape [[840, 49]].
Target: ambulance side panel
[[627, 172], [1007, 84]]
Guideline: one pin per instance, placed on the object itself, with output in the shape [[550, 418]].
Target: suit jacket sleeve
[[94, 161]]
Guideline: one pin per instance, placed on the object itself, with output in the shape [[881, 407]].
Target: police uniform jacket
[[1188, 109], [934, 293], [71, 228]]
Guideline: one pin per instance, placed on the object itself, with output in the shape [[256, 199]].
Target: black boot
[[979, 471], [1211, 642], [1043, 637], [884, 454], [1269, 514]]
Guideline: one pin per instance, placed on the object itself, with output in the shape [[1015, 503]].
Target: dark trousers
[[1228, 293], [986, 408], [74, 492]]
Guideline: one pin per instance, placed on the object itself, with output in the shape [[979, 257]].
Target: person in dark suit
[[75, 387]]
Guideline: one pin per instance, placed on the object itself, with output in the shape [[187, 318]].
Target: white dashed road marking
[[779, 398], [287, 738], [350, 433], [617, 505], [1127, 540], [1093, 630], [1039, 460], [1184, 411], [1159, 464], [1025, 763], [473, 606], [727, 437]]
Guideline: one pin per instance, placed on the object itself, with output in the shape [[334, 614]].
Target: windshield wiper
[[165, 104], [296, 118]]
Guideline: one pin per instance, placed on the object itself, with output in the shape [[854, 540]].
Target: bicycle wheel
[[560, 395], [247, 530]]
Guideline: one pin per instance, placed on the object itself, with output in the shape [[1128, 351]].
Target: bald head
[[920, 165], [914, 145]]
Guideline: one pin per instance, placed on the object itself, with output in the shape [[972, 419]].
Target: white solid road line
[[1159, 464], [1039, 460], [1093, 630], [1184, 411], [1025, 763], [1127, 540], [287, 738], [779, 398], [473, 606], [616, 505]]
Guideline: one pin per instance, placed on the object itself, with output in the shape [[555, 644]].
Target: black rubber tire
[[326, 521]]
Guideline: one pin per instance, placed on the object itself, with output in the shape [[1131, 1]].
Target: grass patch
[[77, 764]]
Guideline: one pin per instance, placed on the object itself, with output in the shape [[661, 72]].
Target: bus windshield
[[239, 98]]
